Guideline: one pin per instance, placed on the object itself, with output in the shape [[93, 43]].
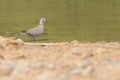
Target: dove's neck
[[41, 23]]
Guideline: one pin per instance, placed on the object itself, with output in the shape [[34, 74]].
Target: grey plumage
[[36, 31]]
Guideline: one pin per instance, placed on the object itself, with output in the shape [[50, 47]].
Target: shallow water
[[84, 20]]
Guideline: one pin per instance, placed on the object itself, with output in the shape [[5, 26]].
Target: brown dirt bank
[[59, 61]]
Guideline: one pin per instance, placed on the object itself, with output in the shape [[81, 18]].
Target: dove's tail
[[23, 33]]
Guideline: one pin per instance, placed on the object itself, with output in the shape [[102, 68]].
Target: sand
[[73, 60]]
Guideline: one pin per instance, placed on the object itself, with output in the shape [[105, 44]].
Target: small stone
[[100, 50], [63, 77], [6, 68], [83, 52], [83, 64], [45, 76], [88, 70], [2, 57], [83, 68], [20, 41], [48, 65], [80, 71], [77, 71], [21, 68], [110, 71]]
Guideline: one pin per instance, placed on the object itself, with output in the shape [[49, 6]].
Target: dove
[[36, 31]]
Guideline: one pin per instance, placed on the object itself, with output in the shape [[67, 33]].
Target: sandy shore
[[59, 61]]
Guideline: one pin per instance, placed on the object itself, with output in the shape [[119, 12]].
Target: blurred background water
[[83, 20]]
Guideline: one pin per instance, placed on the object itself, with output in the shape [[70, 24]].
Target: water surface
[[83, 20]]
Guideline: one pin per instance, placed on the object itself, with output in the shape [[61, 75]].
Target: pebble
[[110, 71], [19, 41], [83, 64], [80, 50], [82, 68], [63, 76], [48, 65], [6, 68], [79, 71], [44, 76], [21, 68], [88, 70], [75, 43], [100, 50]]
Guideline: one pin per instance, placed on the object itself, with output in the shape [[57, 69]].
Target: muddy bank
[[59, 61]]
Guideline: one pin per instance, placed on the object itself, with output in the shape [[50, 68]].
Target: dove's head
[[43, 20]]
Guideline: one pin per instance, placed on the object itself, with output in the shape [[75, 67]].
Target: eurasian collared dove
[[36, 31]]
